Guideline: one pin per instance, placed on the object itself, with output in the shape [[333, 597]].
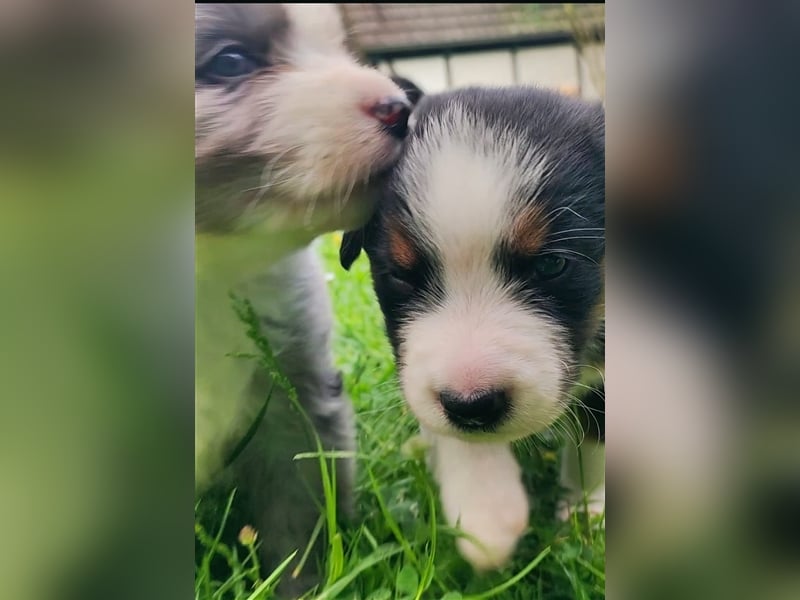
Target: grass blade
[[513, 580], [376, 557], [272, 579]]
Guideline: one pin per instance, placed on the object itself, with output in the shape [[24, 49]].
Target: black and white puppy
[[486, 254], [289, 130]]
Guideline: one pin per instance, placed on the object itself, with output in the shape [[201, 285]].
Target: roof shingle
[[385, 28]]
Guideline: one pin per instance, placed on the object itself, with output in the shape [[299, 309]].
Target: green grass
[[400, 548]]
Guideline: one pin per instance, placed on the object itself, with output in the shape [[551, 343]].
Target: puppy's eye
[[549, 266], [402, 281], [230, 63]]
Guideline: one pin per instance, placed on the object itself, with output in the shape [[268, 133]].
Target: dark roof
[[398, 29]]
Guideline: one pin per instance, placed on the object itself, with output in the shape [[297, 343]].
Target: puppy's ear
[[412, 90], [352, 243]]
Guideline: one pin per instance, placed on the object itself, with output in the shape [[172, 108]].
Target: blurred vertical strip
[[96, 299], [703, 299]]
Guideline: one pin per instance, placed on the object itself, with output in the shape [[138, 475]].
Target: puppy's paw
[[481, 491], [494, 521]]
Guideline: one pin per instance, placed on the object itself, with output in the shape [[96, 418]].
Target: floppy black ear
[[413, 92], [352, 243]]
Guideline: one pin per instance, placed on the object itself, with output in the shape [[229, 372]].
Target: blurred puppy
[[486, 254], [289, 130]]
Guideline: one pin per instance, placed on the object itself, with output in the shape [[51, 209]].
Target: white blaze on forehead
[[464, 182]]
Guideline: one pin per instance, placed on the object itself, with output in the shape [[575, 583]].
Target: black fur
[[571, 133], [413, 92]]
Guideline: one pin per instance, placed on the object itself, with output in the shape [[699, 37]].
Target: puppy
[[289, 131], [486, 254]]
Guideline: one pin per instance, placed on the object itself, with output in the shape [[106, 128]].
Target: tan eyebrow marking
[[401, 249], [528, 230]]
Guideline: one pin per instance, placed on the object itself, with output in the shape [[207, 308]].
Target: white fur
[[319, 124], [464, 189], [482, 491], [306, 121], [480, 339], [462, 182]]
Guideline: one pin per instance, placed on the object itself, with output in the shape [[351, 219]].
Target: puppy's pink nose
[[393, 114]]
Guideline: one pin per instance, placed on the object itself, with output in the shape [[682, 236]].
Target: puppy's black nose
[[393, 114], [482, 411]]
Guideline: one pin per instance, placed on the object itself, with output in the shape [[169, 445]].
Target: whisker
[[592, 413], [560, 250], [577, 229], [599, 371], [553, 213], [591, 388], [578, 237]]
